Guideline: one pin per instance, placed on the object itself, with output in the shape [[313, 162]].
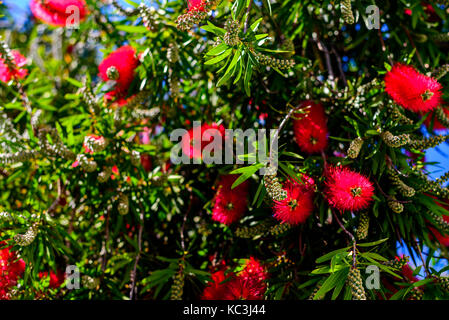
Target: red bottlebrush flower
[[253, 270], [311, 129], [119, 66], [249, 284], [115, 172], [412, 90], [347, 190], [238, 289], [230, 204], [56, 279], [437, 126], [197, 5], [10, 270], [58, 13], [407, 272], [7, 74], [193, 146], [298, 205], [145, 161], [217, 288]]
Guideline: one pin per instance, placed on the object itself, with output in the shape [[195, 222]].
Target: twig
[[104, 249], [340, 67], [139, 244], [414, 46], [245, 27], [420, 255], [350, 235], [61, 190], [278, 131], [183, 246], [302, 247], [323, 155], [327, 55], [388, 196]]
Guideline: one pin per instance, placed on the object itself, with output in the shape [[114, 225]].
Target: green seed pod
[[86, 164], [421, 38], [231, 37], [147, 15], [442, 281], [355, 282], [397, 263], [426, 143], [395, 141], [135, 158], [441, 72], [172, 53], [104, 175], [89, 282], [442, 117], [362, 229], [405, 190], [440, 37], [314, 292], [280, 229], [346, 11], [253, 231], [440, 222], [272, 185], [397, 115], [95, 144], [187, 20], [177, 288], [123, 204], [416, 294], [28, 237], [355, 147]]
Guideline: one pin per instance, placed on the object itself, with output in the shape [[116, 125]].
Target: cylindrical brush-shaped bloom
[[347, 190], [298, 205], [413, 90], [59, 13], [230, 204], [310, 129], [6, 74], [120, 67]]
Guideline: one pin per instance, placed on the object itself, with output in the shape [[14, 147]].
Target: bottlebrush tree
[[87, 180]]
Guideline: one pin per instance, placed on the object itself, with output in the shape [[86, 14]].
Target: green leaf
[[329, 255], [247, 172], [331, 282], [256, 24], [76, 83], [247, 78], [214, 29], [371, 244], [219, 58], [217, 50], [132, 29]]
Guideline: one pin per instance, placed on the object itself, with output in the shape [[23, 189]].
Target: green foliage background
[[77, 215]]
